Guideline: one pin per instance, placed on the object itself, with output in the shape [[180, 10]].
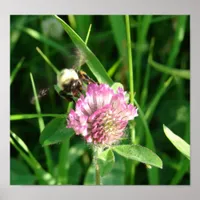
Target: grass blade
[[144, 93], [119, 31], [153, 104], [38, 36], [152, 173], [16, 69], [92, 61], [178, 38], [63, 165], [184, 165], [43, 176], [88, 34], [131, 164], [47, 60], [141, 41], [155, 20], [41, 126], [32, 116], [15, 32], [82, 24], [114, 68], [182, 73]]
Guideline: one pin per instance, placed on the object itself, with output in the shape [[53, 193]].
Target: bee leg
[[66, 96], [85, 77]]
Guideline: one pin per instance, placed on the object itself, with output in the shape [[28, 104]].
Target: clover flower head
[[102, 115]]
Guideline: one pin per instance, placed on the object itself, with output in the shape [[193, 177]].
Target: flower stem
[[97, 150], [130, 63], [98, 179]]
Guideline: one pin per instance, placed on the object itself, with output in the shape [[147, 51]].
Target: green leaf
[[178, 142], [55, 132], [139, 153], [92, 61], [106, 160]]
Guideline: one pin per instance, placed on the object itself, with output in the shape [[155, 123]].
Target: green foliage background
[[160, 53]]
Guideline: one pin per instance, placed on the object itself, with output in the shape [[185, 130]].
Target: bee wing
[[43, 92], [80, 59]]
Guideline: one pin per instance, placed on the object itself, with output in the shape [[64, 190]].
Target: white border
[[98, 7]]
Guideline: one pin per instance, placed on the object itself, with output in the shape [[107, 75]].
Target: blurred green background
[[155, 39]]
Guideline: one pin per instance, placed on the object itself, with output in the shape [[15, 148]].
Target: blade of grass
[[142, 31], [153, 104], [16, 69], [144, 92], [38, 36], [32, 116], [183, 169], [154, 20], [119, 32], [49, 73], [16, 33], [114, 68], [47, 60], [37, 105], [177, 40], [94, 64], [153, 175], [72, 21], [131, 164], [41, 127], [43, 176], [149, 139], [82, 24], [88, 34], [63, 165], [182, 73]]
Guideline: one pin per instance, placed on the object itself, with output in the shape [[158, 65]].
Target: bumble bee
[[70, 83]]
